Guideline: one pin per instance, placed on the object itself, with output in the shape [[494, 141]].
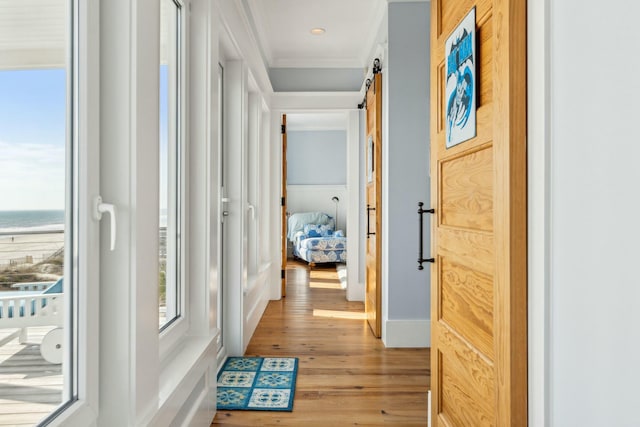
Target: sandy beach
[[16, 248]]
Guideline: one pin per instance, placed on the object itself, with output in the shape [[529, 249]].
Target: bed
[[314, 238]]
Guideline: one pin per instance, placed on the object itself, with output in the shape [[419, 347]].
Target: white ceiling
[[33, 34], [283, 30]]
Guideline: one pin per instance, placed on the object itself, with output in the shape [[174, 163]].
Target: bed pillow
[[338, 233], [318, 230]]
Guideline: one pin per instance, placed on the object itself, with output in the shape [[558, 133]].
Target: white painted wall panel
[[594, 284]]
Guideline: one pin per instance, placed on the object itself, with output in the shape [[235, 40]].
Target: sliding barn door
[[374, 205], [479, 278]]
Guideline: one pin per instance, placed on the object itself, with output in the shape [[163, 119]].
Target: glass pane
[[170, 164], [35, 211]]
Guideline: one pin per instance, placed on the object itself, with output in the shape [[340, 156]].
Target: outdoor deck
[[30, 387]]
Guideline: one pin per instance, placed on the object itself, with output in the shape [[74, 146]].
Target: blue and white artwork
[[460, 89]]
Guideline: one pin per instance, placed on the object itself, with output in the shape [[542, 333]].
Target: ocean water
[[45, 220]]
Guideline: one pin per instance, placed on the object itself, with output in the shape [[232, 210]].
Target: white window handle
[[253, 211], [101, 208]]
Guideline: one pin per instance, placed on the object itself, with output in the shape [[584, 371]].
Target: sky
[[32, 139], [33, 135]]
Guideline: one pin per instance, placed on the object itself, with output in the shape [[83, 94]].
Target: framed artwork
[[460, 85]]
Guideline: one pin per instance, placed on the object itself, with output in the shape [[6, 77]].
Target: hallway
[[346, 376]]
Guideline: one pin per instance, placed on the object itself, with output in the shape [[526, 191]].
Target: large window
[[39, 259], [171, 161]]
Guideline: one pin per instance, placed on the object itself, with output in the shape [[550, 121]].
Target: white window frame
[[174, 330], [83, 177]]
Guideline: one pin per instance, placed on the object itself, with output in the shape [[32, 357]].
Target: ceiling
[[299, 61], [32, 34], [283, 30]]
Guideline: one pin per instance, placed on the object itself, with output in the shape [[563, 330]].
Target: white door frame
[[322, 102], [539, 210]]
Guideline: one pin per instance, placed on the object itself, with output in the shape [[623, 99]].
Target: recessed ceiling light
[[317, 31]]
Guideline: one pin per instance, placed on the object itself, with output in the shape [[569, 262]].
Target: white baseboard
[[406, 333], [355, 292], [428, 408]]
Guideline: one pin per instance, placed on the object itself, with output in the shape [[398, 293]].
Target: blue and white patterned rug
[[257, 383]]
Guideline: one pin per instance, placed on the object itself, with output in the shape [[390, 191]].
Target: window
[[171, 161], [40, 262]]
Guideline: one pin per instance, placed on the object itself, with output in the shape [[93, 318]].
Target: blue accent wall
[[407, 158], [317, 157]]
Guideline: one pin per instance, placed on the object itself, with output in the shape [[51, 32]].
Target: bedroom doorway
[[315, 171]]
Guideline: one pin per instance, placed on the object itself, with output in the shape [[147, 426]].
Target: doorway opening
[[316, 196]]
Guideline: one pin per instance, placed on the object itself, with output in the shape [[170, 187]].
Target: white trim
[[86, 136], [378, 31], [539, 208], [181, 375], [238, 29], [297, 62], [235, 139], [406, 333], [177, 324], [256, 299], [312, 102], [256, 9], [384, 281], [355, 289], [275, 145], [428, 408]]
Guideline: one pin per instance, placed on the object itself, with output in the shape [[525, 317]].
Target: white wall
[[593, 314], [406, 179], [317, 198]]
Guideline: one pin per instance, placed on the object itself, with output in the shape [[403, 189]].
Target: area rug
[[257, 383]]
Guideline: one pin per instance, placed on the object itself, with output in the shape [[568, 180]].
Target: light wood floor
[[346, 376]]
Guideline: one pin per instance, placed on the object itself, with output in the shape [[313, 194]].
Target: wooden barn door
[[373, 178], [479, 278]]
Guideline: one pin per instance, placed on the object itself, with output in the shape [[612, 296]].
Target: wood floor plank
[[346, 376]]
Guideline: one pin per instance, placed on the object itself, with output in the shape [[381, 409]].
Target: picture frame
[[460, 83]]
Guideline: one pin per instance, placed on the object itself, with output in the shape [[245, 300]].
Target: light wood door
[[283, 203], [373, 179], [479, 282]]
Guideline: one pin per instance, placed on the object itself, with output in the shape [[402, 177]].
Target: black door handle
[[420, 233], [369, 233]]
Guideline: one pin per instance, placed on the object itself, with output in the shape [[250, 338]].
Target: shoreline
[[38, 245]]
